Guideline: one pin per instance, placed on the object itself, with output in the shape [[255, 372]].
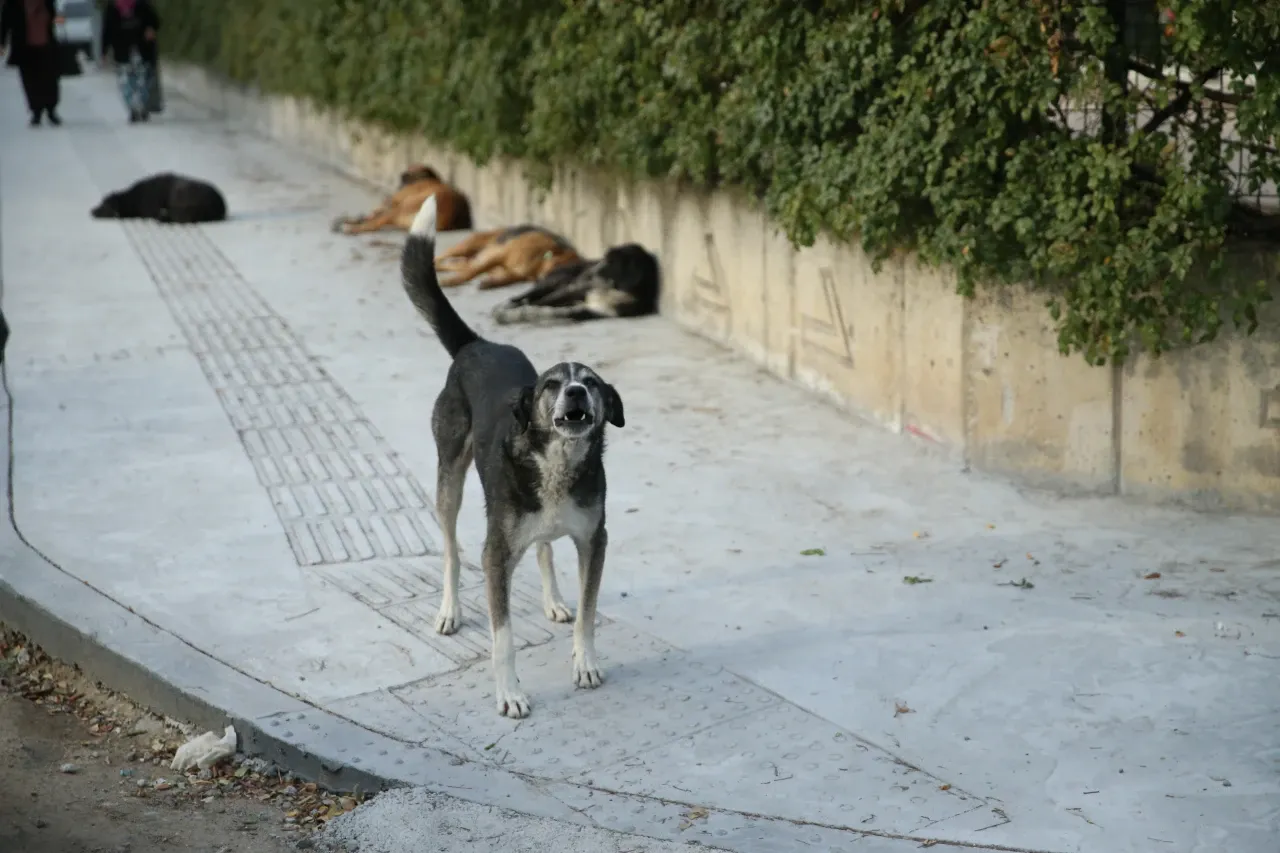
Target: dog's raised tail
[[418, 273]]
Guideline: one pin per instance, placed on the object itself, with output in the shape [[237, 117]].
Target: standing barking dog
[[538, 445], [622, 284], [417, 183], [507, 255]]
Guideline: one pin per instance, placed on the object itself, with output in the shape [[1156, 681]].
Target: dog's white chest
[[560, 514], [557, 520]]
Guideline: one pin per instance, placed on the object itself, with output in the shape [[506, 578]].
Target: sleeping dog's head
[[109, 207], [418, 172], [570, 400]]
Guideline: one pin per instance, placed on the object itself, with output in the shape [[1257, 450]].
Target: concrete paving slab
[[221, 435]]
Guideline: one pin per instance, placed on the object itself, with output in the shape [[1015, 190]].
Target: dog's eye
[[552, 385], [590, 382]]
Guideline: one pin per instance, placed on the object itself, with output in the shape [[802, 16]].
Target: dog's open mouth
[[577, 417]]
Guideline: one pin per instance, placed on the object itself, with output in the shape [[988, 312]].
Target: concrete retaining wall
[[981, 379]]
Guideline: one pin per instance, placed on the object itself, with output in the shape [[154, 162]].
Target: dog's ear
[[522, 407], [613, 407]]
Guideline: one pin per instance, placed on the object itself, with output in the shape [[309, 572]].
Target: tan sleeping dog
[[507, 255], [417, 184]]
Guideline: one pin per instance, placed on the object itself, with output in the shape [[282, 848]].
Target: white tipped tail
[[424, 224]]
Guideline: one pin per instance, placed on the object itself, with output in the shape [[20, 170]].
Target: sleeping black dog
[[165, 198], [624, 283]]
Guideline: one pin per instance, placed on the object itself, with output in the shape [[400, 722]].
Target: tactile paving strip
[[652, 695], [347, 505], [407, 592], [337, 486], [787, 762], [669, 726]]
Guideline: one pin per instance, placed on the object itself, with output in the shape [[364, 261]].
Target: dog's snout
[[575, 393]]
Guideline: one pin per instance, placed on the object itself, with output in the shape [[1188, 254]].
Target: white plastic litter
[[205, 751]]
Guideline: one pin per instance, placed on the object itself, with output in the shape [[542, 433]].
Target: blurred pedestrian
[[129, 38], [26, 30]]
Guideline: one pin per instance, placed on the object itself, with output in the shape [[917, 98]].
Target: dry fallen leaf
[[1179, 634], [1151, 577], [900, 708], [945, 788]]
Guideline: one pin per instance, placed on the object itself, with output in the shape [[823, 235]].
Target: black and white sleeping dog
[[537, 440], [624, 283], [165, 197]]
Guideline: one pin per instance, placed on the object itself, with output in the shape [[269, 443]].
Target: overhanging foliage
[[1106, 152]]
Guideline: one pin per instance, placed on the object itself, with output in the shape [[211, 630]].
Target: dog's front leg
[[586, 667], [499, 564], [552, 601]]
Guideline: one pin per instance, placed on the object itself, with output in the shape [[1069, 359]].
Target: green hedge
[[935, 125]]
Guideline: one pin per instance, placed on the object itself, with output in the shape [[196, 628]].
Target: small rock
[[69, 768], [206, 773], [305, 844], [41, 823], [126, 771], [290, 791]]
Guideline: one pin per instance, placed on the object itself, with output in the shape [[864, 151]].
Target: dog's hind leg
[[552, 601], [586, 666], [341, 223], [473, 268], [598, 305], [374, 222], [454, 452], [501, 278], [465, 248], [499, 564], [509, 315]]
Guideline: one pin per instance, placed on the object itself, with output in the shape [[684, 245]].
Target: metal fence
[[1148, 64]]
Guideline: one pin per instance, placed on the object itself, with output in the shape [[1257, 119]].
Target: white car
[[76, 25]]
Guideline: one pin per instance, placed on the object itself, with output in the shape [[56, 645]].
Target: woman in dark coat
[[26, 28], [129, 37]]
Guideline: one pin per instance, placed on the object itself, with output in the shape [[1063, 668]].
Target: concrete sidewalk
[[221, 450]]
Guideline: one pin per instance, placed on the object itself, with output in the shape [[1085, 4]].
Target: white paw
[[557, 611], [586, 671], [513, 704], [449, 619]]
